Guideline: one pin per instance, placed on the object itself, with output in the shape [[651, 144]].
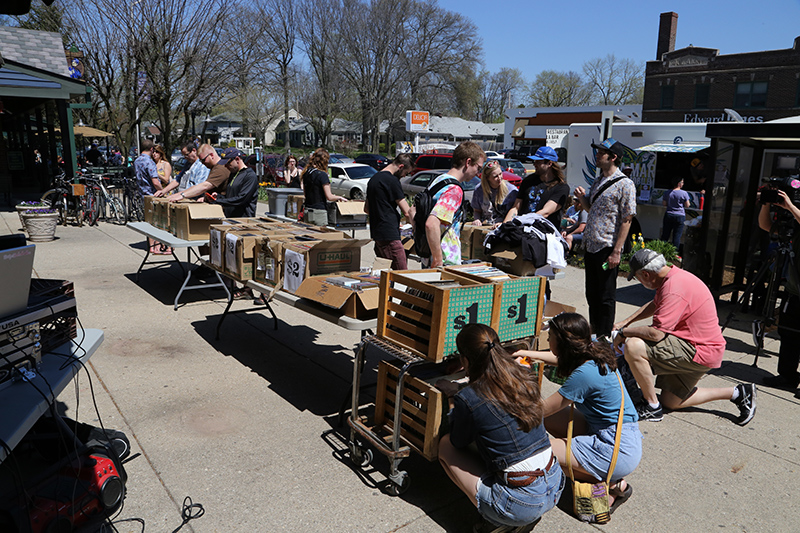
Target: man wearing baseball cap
[[681, 345], [611, 205], [241, 191], [545, 191]]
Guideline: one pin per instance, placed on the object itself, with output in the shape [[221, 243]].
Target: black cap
[[640, 260], [231, 153], [613, 146]]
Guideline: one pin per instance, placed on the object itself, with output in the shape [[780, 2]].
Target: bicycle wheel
[[80, 212], [136, 211], [91, 207], [117, 212], [63, 209], [54, 198]]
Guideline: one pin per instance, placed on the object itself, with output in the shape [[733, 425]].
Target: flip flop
[[620, 497]]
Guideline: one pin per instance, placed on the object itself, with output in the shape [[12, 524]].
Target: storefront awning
[[685, 148], [88, 131]]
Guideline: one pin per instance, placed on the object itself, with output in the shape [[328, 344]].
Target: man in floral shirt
[[443, 228], [611, 210]]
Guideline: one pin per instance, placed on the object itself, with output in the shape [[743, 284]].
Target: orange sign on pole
[[417, 120]]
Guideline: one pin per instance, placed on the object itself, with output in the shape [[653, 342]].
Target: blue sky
[[533, 35]]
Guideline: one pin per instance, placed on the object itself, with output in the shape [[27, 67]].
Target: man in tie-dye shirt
[[443, 227]]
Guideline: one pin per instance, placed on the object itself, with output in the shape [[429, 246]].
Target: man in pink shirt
[[682, 344]]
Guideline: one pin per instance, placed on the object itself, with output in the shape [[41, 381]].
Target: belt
[[523, 479]]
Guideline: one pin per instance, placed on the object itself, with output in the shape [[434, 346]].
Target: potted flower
[[30, 206], [40, 224]]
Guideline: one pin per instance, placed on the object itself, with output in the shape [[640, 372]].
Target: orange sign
[[417, 120]]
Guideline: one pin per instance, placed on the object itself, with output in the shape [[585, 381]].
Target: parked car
[[376, 161], [176, 156], [350, 179], [511, 165], [433, 162], [271, 167], [419, 181], [512, 178], [493, 155], [340, 158]]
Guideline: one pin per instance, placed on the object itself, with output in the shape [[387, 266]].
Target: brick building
[[696, 84]]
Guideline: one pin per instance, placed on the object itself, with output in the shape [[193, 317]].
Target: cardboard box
[[240, 253], [216, 240], [347, 214], [302, 260], [511, 261], [191, 221], [161, 213], [423, 310], [148, 209], [550, 310], [361, 303], [294, 205], [270, 257], [478, 236]]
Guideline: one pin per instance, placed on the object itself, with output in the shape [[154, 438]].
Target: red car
[[512, 178]]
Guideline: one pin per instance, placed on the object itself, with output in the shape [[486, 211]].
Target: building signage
[[722, 117], [417, 120], [555, 137]]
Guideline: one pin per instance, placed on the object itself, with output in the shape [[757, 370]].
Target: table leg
[[225, 313], [146, 255]]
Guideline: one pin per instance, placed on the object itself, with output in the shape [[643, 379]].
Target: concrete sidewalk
[[242, 425]]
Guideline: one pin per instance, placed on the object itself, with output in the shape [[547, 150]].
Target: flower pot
[[21, 208], [41, 226]]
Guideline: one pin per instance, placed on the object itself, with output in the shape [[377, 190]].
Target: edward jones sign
[[417, 120]]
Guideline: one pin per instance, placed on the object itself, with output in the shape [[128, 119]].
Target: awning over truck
[[686, 148]]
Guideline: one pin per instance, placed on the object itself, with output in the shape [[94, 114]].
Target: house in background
[[271, 133]]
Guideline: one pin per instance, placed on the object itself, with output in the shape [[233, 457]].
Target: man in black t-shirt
[[384, 196], [241, 192]]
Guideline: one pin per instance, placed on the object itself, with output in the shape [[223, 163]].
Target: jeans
[[673, 224], [392, 250], [601, 289], [519, 506]]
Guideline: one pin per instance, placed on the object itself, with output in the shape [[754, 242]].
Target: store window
[[701, 93], [751, 94], [667, 96]]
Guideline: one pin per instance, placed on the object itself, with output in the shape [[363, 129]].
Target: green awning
[[685, 148]]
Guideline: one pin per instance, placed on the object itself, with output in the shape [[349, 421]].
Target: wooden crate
[[425, 318], [518, 302], [422, 405], [78, 189]]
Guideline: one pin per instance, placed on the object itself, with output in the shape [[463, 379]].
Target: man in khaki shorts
[[683, 343]]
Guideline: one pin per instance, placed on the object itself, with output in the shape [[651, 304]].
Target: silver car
[[415, 183], [350, 179]]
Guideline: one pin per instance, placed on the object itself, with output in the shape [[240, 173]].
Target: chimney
[[667, 30]]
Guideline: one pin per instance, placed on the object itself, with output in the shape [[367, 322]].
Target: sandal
[[620, 496], [243, 293], [260, 300]]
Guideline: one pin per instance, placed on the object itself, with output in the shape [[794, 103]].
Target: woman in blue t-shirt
[[514, 479], [590, 369], [676, 201]]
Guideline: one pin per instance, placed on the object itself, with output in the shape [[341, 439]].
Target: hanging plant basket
[[40, 224]]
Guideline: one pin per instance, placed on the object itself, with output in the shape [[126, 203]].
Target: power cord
[[189, 512]]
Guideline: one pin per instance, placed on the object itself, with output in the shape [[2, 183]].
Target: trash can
[[278, 197]]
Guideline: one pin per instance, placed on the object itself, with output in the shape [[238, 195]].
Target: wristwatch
[[621, 332]]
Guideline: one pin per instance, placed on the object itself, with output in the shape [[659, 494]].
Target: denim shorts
[[519, 506], [594, 451]]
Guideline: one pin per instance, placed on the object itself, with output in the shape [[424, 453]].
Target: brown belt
[[523, 479]]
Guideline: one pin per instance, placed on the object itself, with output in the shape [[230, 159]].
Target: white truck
[[659, 152]]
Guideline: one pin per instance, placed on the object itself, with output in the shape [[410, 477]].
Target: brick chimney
[[667, 30]]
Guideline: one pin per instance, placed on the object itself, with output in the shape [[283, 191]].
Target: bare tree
[[615, 81], [178, 48], [497, 93], [280, 38], [559, 89]]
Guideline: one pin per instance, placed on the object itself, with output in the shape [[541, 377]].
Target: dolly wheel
[[396, 489], [360, 457]]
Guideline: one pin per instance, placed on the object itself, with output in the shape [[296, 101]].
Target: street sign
[[417, 121]]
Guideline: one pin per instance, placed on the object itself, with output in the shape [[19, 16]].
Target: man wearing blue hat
[[611, 204], [545, 191], [241, 192]]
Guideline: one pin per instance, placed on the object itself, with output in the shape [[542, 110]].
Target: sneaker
[[746, 402], [649, 413]]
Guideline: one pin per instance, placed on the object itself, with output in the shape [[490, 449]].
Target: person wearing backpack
[[442, 224], [611, 204]]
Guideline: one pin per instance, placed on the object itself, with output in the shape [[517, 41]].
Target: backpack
[[424, 203]]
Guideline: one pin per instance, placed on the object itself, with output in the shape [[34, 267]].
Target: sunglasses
[[490, 164], [203, 159]]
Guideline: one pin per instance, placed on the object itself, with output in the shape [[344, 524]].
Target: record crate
[[423, 310], [518, 301]]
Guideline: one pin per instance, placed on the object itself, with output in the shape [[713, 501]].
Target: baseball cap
[[640, 260], [613, 146], [545, 152], [231, 153]]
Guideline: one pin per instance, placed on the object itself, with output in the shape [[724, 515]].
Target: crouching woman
[[514, 479]]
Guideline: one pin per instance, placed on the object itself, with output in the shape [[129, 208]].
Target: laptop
[[16, 267]]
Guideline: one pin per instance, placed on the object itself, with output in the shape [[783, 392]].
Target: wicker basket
[[41, 227]]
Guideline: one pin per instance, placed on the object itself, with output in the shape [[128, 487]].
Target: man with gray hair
[[683, 343]]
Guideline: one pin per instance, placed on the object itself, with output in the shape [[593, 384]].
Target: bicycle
[[99, 199], [134, 203], [63, 198]]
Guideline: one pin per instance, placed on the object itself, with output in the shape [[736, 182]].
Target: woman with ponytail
[[590, 369], [514, 479]]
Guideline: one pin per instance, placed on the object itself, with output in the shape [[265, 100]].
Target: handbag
[[590, 500]]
